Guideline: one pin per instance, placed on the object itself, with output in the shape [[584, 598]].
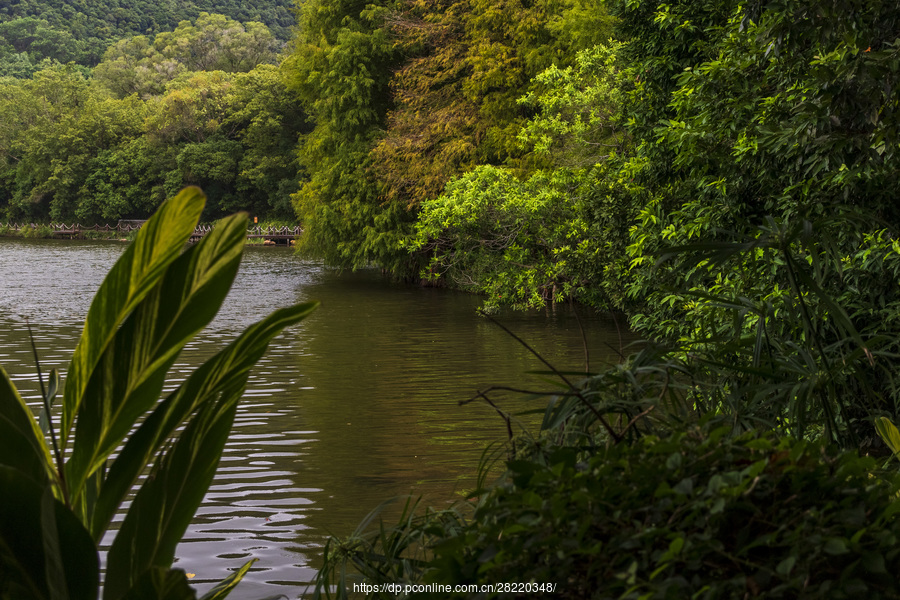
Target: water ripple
[[356, 404]]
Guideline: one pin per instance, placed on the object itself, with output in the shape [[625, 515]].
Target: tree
[[777, 117], [539, 239], [765, 141], [405, 96], [340, 67], [217, 43], [268, 124], [214, 42], [135, 66]]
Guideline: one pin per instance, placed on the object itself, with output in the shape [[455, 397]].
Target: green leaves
[[22, 445], [45, 552], [515, 241], [129, 377], [889, 434], [156, 297], [132, 277], [619, 525], [165, 504]]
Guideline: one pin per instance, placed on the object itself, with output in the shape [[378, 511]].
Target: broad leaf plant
[[64, 477]]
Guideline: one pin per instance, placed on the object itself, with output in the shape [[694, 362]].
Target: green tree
[[778, 118], [404, 97], [135, 66], [341, 67], [268, 124], [544, 238], [54, 136], [517, 242], [37, 39], [217, 43], [765, 142], [456, 99], [125, 182], [214, 42]]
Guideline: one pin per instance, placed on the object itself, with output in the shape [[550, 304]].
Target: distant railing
[[74, 229], [274, 234], [270, 234]]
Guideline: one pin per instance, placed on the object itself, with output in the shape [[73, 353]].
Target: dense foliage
[[695, 514], [735, 198], [151, 120], [66, 479], [763, 241], [552, 236], [406, 95], [724, 175], [32, 31]]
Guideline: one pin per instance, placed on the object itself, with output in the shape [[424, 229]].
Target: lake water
[[357, 404]]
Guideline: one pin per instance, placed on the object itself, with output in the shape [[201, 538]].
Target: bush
[[697, 514], [694, 515]]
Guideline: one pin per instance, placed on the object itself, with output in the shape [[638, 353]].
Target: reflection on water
[[357, 404]]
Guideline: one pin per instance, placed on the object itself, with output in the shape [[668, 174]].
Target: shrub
[[697, 514]]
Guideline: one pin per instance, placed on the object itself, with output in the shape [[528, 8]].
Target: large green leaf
[[134, 275], [168, 499], [166, 502], [22, 445], [45, 552], [128, 379], [228, 368]]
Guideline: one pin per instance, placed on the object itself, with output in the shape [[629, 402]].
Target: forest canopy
[[203, 104], [80, 30]]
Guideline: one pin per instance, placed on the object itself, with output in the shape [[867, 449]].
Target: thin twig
[[612, 432], [504, 388], [616, 350], [505, 418], [527, 347], [636, 418]]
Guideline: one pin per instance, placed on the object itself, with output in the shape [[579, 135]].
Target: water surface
[[357, 404]]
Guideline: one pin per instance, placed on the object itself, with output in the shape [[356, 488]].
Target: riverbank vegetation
[[723, 173]]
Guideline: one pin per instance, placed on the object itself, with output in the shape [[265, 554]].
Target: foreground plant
[[62, 489]]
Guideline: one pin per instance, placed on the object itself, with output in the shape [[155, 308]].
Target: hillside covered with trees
[[203, 104], [79, 31]]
